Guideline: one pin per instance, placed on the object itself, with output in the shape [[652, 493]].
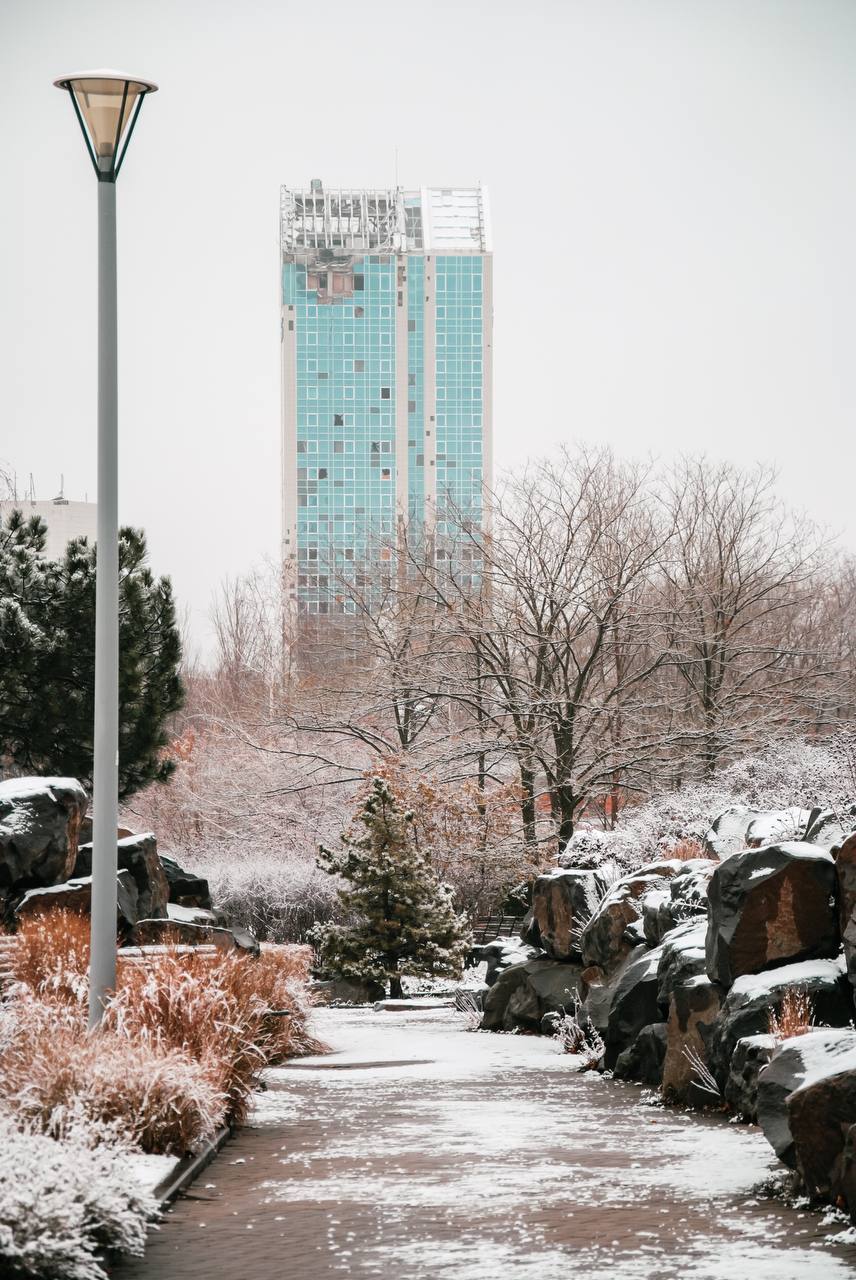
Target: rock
[[185, 888], [522, 994], [803, 1063], [194, 915], [76, 895], [747, 1007], [830, 827], [770, 906], [777, 825], [693, 1009], [39, 831], [160, 932], [741, 1088], [821, 1113], [728, 830], [845, 875], [347, 991], [616, 926], [681, 958], [633, 1004], [562, 904], [643, 1060], [846, 1186], [597, 990], [500, 955], [684, 898], [137, 854]]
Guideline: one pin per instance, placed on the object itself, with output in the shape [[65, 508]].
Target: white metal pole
[[102, 968]]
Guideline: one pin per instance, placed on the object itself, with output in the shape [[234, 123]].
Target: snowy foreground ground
[[421, 1150]]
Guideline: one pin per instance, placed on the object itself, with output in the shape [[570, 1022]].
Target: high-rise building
[[386, 379]]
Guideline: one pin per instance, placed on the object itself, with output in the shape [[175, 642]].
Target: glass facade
[[356, 329]]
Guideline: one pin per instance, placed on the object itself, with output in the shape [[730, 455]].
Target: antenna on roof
[[396, 168]]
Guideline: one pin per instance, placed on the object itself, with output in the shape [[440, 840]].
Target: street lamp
[[107, 104]]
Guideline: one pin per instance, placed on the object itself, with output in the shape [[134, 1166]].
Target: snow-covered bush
[[278, 897], [795, 771], [63, 1202]]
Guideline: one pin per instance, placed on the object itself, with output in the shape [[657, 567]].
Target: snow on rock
[[76, 895], [524, 993], [769, 906], [604, 940], [776, 825], [803, 1063], [753, 997], [634, 1003], [681, 957], [501, 954], [693, 1007], [39, 828]]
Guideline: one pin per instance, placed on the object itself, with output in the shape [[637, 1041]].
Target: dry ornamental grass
[[180, 1047]]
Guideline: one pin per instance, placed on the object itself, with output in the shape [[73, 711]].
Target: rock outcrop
[[800, 1064], [138, 855], [768, 907], [643, 1060], [693, 1008], [160, 932], [741, 1088], [633, 1004], [747, 1007], [522, 994], [500, 955], [562, 903], [681, 958], [616, 927], [39, 831], [76, 895], [185, 888]]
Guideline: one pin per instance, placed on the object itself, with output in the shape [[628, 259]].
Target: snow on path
[[420, 1150]]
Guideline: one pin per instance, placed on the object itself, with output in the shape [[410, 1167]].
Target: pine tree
[[47, 657], [398, 917]]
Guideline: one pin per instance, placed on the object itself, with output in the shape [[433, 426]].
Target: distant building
[[65, 520], [386, 378]]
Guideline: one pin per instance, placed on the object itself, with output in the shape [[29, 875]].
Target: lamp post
[[107, 104]]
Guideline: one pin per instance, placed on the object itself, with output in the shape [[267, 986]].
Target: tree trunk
[[395, 988]]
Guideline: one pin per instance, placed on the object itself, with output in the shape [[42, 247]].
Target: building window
[[359, 312], [338, 419], [322, 473], [359, 366], [359, 281], [384, 393], [411, 406], [386, 473]]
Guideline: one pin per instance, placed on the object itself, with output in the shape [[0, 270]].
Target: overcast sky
[[673, 191]]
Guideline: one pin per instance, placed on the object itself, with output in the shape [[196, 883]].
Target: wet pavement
[[424, 1151]]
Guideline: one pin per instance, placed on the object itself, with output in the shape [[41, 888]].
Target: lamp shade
[[107, 105]]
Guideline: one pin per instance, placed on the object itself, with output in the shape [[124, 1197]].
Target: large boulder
[[693, 1009], [633, 1004], [617, 925], [170, 933], [777, 825], [681, 958], [522, 994], [501, 954], [728, 830], [741, 1088], [347, 991], [768, 907], [821, 1113], [138, 855], [801, 1134], [562, 904], [76, 895], [643, 1060], [39, 830], [185, 888], [753, 998]]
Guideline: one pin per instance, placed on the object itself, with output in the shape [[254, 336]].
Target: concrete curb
[[188, 1169]]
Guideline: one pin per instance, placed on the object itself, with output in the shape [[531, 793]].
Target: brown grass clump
[[795, 1015], [52, 954], [182, 1041], [52, 1068], [686, 850]]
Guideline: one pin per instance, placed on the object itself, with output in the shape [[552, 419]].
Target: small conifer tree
[[397, 916]]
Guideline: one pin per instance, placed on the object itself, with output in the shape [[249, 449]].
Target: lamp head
[[107, 104]]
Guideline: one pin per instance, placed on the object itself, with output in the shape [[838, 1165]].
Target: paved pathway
[[465, 1156]]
